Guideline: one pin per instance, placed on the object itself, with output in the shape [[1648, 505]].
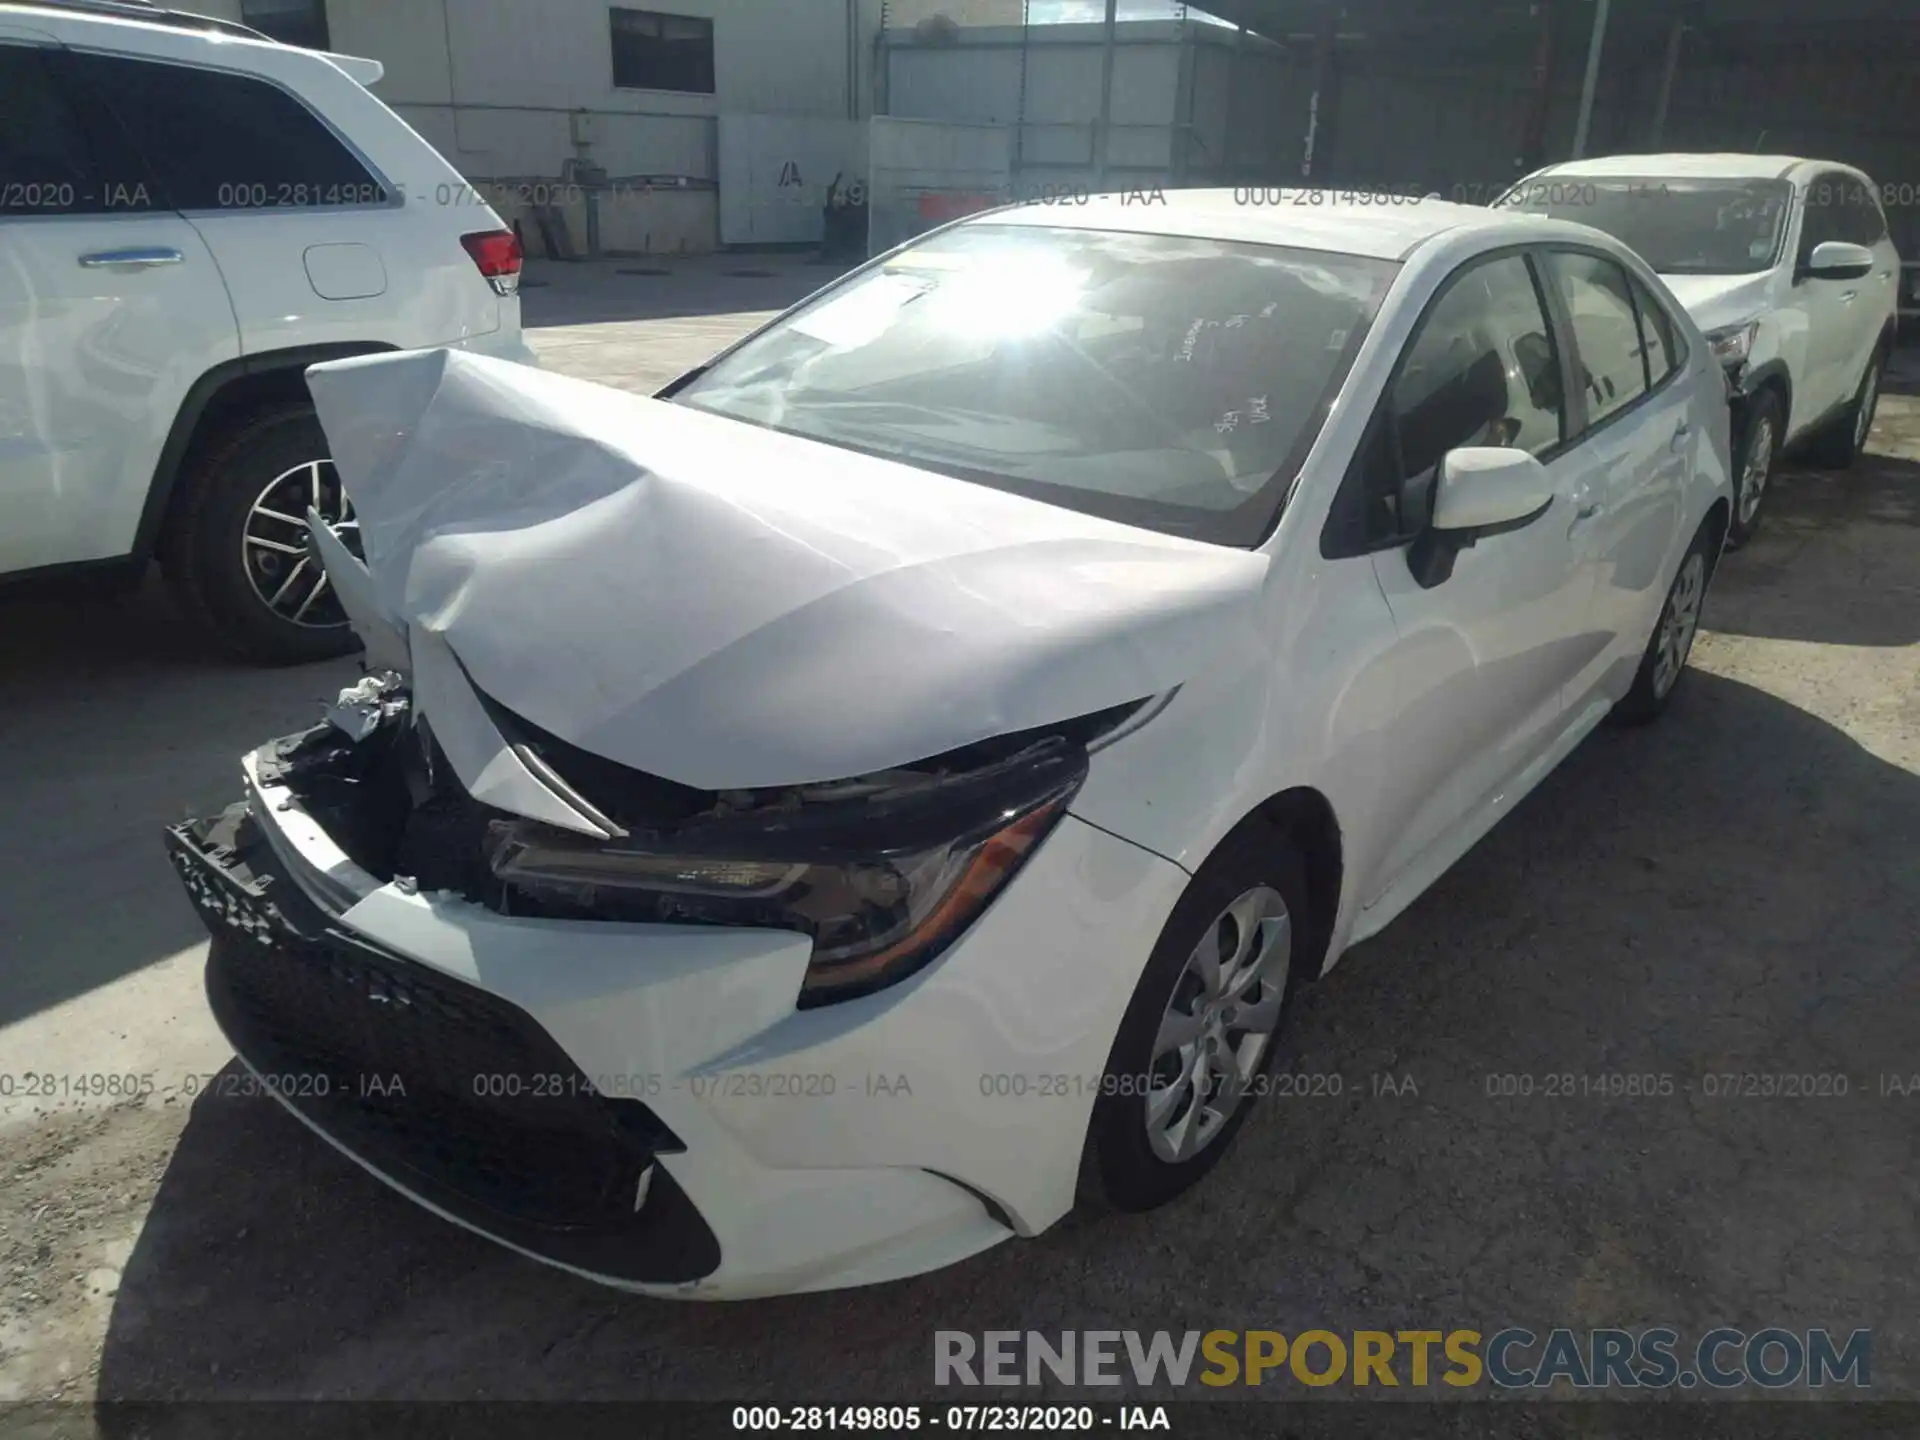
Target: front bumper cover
[[446, 1090], [799, 1146]]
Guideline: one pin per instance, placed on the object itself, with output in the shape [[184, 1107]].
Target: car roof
[[1725, 165], [1381, 227], [141, 12], [113, 25]]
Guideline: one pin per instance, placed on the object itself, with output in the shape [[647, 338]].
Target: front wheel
[[1755, 459], [1665, 660], [236, 552], [1203, 1027]]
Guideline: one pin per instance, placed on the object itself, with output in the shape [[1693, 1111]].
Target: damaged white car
[[813, 825]]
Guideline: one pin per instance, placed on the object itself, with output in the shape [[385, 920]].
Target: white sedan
[[813, 825]]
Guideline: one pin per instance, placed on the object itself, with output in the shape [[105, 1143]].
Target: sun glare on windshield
[[1020, 291]]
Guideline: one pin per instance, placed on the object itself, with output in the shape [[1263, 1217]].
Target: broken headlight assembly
[[1732, 345], [882, 874]]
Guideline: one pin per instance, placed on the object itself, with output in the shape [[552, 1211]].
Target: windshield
[[1166, 382], [1680, 227]]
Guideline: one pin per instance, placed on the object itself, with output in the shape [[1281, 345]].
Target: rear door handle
[[134, 257], [1682, 435]]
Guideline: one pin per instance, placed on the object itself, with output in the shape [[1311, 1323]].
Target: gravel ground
[[1735, 891]]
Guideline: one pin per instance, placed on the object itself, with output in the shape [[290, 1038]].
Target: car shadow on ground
[[116, 719], [1733, 893]]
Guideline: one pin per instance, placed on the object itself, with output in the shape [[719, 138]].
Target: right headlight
[[1732, 345], [882, 883]]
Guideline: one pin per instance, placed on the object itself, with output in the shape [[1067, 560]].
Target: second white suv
[[189, 218], [1788, 266]]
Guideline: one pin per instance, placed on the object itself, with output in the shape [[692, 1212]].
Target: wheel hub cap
[[1218, 1024], [1679, 623], [273, 548]]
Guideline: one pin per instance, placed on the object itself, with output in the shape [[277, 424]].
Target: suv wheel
[[236, 552], [1846, 439], [1755, 458]]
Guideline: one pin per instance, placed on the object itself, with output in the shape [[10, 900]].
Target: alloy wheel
[[1757, 470], [1218, 1025], [1868, 408], [1679, 623], [273, 545]]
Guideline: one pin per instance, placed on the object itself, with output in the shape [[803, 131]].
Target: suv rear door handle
[[134, 257], [1683, 435]]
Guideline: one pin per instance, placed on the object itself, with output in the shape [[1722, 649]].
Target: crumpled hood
[[1716, 301], [732, 608]]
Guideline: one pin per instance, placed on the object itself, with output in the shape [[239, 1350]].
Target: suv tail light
[[497, 253]]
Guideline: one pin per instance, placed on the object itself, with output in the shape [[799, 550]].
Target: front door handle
[[1583, 517], [135, 257]]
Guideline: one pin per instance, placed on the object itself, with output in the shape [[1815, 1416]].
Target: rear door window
[[215, 140], [56, 157]]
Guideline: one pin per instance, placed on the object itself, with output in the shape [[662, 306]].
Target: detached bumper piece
[[446, 1090]]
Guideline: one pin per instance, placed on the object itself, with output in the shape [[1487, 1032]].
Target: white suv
[[190, 215], [1788, 267]]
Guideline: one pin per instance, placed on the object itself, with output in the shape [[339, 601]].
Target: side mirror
[[1478, 491], [1483, 489], [1839, 260]]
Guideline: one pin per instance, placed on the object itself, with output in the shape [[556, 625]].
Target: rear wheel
[[1665, 660], [1756, 457], [236, 553], [1203, 1027], [1845, 440]]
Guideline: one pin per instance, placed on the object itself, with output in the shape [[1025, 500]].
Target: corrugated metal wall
[[1443, 108], [1860, 106], [1189, 105]]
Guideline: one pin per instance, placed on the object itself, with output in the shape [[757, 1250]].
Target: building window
[[662, 52], [292, 22]]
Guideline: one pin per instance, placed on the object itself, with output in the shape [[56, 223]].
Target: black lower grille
[[436, 1081], [452, 1091]]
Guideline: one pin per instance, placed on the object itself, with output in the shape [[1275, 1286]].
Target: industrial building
[[725, 122]]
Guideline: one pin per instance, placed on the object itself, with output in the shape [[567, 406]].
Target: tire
[[225, 580], [1121, 1169], [1757, 456], [1845, 439], [1661, 670]]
